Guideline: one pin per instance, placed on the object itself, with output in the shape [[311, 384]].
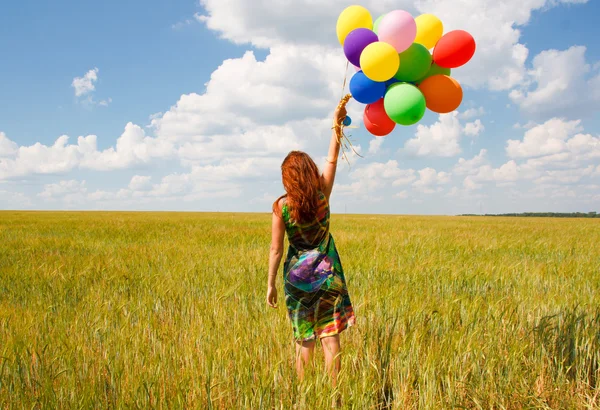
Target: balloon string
[[343, 139], [345, 79]]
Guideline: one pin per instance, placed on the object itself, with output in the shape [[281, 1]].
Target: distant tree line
[[546, 215]]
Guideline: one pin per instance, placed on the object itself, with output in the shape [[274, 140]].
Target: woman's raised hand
[[340, 112]]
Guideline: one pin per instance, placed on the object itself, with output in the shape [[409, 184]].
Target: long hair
[[302, 184]]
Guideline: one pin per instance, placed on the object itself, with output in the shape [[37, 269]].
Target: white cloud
[[469, 167], [260, 141], [140, 183], [370, 178], [8, 148], [438, 140], [429, 179], [173, 188], [560, 83], [69, 192], [244, 93], [192, 185], [63, 188], [10, 200], [471, 113], [473, 129], [544, 139], [240, 168], [132, 148], [509, 172], [555, 152], [569, 176], [85, 85], [375, 145]]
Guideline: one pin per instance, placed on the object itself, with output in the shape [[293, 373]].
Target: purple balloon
[[356, 42]]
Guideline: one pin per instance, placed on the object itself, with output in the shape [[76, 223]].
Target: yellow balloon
[[429, 30], [379, 61], [352, 18]]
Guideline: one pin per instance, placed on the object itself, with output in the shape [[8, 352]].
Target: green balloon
[[434, 70], [404, 104], [415, 62], [376, 25]]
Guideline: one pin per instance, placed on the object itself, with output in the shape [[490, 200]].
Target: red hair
[[302, 184]]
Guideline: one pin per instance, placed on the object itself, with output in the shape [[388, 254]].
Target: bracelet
[[331, 162]]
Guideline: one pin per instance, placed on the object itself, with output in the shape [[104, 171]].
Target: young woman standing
[[315, 289]]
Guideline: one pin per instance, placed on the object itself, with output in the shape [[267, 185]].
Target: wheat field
[[167, 311]]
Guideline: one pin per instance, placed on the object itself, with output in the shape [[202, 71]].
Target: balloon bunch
[[397, 77]]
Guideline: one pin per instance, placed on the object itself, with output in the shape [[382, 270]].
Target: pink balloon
[[399, 29], [357, 69]]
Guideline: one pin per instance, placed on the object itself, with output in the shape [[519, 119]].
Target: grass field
[[167, 310]]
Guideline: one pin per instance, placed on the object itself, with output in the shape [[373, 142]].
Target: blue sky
[[207, 98]]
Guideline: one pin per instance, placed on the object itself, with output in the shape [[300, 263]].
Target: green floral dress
[[316, 295]]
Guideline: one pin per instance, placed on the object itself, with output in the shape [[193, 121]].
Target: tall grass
[[167, 310]]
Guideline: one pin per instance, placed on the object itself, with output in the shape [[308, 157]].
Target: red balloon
[[454, 49], [377, 121]]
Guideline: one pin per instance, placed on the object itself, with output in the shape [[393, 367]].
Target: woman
[[315, 288]]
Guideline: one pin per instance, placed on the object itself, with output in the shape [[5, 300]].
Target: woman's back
[[307, 234]]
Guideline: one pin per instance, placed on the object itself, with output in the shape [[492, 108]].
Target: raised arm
[[328, 177]]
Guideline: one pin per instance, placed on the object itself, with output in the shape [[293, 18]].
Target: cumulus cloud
[[140, 183], [10, 200], [472, 113], [544, 139], [560, 83], [133, 147], [271, 92], [86, 84], [441, 139], [375, 145], [63, 189], [555, 152], [85, 87], [8, 148], [429, 180], [473, 129], [471, 166], [372, 177]]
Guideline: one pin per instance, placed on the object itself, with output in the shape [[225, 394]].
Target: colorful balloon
[[352, 18], [416, 62], [404, 104], [356, 42], [429, 30], [454, 49], [434, 70], [377, 121], [347, 121], [377, 23], [365, 90], [379, 61], [399, 29], [443, 94]]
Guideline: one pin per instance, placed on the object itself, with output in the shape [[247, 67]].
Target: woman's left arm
[[275, 255]]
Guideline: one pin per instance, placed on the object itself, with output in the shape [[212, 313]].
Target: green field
[[167, 310]]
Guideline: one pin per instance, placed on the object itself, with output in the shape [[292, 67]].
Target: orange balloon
[[443, 94]]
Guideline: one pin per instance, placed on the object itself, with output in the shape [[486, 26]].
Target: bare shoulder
[[278, 205]]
